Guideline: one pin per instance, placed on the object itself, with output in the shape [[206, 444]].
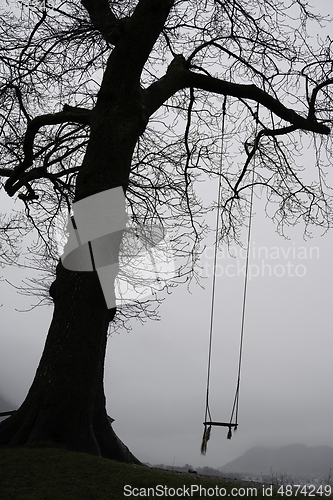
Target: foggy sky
[[156, 374]]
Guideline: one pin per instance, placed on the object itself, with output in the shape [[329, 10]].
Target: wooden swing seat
[[221, 424]]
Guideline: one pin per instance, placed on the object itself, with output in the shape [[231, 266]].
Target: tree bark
[[66, 402]]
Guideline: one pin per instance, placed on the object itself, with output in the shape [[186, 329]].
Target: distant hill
[[292, 459]]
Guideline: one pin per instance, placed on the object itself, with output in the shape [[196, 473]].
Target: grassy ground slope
[[56, 474]]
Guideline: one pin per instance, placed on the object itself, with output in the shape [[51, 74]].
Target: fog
[[155, 375]]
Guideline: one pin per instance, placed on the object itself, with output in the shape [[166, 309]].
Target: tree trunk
[[66, 402]]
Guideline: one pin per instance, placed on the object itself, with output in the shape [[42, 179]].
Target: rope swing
[[233, 422]]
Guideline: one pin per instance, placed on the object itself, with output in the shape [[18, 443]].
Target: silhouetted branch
[[69, 114], [178, 77], [104, 20]]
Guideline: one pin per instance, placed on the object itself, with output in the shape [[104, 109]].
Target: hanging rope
[[235, 406], [208, 423], [207, 429]]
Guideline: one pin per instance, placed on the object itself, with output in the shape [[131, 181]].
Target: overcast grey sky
[[156, 374]]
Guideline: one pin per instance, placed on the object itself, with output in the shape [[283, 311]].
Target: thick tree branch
[[6, 172], [104, 20], [127, 60], [256, 94], [145, 26], [179, 77], [69, 114]]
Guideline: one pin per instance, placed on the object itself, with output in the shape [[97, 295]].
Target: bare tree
[[147, 95]]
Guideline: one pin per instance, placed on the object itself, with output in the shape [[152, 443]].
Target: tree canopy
[[184, 57]]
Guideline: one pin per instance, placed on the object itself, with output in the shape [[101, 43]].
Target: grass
[[57, 474]]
